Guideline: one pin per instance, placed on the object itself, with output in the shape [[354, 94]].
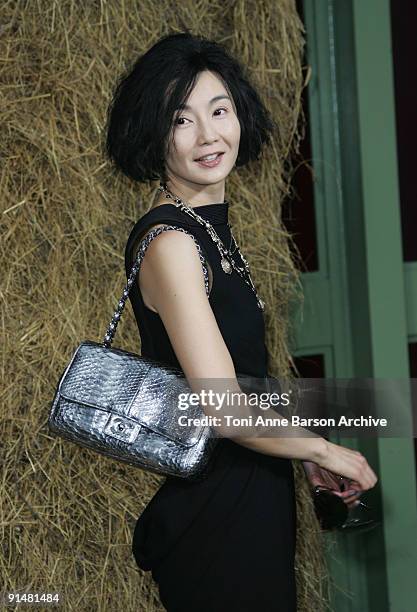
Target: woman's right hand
[[348, 463]]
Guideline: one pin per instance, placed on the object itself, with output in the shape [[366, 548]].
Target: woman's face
[[204, 126]]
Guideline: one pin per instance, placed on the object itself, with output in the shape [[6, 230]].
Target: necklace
[[231, 240], [227, 262]]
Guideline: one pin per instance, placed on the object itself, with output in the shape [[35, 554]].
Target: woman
[[186, 115]]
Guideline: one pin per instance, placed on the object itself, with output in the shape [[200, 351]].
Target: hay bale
[[68, 513]]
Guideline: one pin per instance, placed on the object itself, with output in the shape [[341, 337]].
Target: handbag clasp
[[122, 428]]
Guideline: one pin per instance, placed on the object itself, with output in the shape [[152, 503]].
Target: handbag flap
[[135, 387]]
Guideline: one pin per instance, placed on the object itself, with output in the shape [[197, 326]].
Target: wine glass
[[333, 513]]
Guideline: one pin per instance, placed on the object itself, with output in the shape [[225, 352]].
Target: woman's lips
[[210, 164]]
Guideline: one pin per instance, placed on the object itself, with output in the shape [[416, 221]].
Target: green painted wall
[[360, 307]]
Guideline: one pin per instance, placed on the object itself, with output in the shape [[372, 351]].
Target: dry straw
[[67, 514]]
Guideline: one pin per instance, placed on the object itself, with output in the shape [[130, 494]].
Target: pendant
[[226, 265]]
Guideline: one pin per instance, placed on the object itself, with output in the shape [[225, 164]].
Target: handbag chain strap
[[111, 330]]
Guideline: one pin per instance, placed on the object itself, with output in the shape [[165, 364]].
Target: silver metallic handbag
[[125, 406]]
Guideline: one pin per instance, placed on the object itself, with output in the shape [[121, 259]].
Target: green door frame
[[360, 307]]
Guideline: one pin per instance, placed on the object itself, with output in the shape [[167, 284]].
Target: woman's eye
[[180, 118]]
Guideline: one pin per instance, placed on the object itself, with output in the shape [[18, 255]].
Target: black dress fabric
[[225, 543]]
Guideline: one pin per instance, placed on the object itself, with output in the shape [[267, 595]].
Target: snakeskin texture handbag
[[125, 406]]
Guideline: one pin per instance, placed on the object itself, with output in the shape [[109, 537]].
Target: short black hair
[[140, 114]]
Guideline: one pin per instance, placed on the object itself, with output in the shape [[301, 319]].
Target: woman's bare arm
[[172, 278]]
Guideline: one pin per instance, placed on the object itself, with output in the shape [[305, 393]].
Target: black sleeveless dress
[[226, 543]]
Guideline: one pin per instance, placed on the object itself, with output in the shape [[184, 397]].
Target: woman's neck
[[160, 197]]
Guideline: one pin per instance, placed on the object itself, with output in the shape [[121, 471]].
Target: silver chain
[[227, 262], [231, 240]]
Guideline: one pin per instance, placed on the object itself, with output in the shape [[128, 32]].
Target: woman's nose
[[207, 132]]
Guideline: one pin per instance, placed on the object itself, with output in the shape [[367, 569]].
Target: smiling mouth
[[211, 162], [210, 157]]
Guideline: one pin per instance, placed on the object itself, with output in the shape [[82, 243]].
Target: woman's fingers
[[349, 493], [365, 476], [351, 464], [350, 497]]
